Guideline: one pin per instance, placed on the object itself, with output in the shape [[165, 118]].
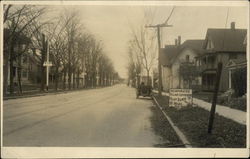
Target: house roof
[[196, 45], [227, 40], [170, 52]]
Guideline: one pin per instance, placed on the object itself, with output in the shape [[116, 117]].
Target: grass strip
[[193, 122], [162, 128]]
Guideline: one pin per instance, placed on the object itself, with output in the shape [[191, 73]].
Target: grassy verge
[[193, 122], [163, 129]]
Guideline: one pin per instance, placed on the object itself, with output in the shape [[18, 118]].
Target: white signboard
[[47, 64], [180, 97]]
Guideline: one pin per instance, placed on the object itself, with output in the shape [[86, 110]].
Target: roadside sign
[[180, 97]]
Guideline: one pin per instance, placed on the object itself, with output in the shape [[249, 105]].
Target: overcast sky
[[111, 24]]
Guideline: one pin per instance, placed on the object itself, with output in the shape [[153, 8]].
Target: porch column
[[229, 78]]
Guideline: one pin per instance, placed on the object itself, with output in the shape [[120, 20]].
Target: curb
[[48, 93], [181, 136], [34, 95]]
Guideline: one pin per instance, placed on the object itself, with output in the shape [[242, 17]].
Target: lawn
[[163, 129], [193, 122]]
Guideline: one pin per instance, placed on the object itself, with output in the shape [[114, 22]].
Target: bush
[[239, 81], [238, 103]]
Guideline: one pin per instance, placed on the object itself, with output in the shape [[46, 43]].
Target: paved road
[[100, 117]]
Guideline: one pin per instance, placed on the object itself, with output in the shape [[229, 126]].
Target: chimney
[[176, 42], [179, 40], [233, 25]]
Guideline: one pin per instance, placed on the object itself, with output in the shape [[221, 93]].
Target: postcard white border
[[107, 152]]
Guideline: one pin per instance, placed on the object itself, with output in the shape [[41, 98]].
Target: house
[[179, 64], [221, 45], [30, 67]]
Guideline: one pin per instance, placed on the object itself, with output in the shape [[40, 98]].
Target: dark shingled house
[[221, 45]]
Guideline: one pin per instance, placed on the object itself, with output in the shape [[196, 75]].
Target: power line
[[158, 27], [169, 15], [223, 42]]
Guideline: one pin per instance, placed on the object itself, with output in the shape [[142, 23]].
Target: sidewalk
[[233, 114]]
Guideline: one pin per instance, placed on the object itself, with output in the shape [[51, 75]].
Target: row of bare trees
[[74, 52]]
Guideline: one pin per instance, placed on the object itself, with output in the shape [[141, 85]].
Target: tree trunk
[[64, 78], [19, 75], [12, 70], [69, 77], [5, 71], [74, 78], [41, 64], [56, 78], [148, 82], [78, 78], [92, 80]]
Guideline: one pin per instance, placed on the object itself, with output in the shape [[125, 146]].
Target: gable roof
[[167, 54], [171, 52], [196, 45], [226, 40]]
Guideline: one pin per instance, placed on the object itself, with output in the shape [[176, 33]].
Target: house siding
[[223, 57], [170, 75], [178, 81]]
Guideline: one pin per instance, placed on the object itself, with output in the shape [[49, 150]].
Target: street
[[102, 117]]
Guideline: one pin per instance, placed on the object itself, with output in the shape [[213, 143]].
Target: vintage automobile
[[144, 90]]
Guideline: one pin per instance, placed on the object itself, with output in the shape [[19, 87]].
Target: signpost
[[47, 64], [180, 97], [215, 95]]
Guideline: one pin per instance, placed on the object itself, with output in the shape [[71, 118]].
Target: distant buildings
[[193, 64]]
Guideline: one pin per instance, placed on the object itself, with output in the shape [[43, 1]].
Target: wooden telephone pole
[[216, 90], [158, 27]]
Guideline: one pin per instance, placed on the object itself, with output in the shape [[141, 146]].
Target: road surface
[[104, 117]]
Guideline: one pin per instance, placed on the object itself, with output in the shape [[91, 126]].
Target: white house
[[179, 65]]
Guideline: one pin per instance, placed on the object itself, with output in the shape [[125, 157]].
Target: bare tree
[[143, 46], [17, 20], [73, 27]]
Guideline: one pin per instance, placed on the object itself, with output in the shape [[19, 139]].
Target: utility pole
[[47, 64], [158, 27], [216, 89], [43, 54]]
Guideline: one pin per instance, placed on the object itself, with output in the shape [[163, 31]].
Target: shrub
[[239, 81]]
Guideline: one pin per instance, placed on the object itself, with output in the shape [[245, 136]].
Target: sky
[[112, 24]]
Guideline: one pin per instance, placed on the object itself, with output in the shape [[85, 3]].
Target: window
[[24, 74], [211, 59], [187, 58], [204, 60], [30, 68]]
